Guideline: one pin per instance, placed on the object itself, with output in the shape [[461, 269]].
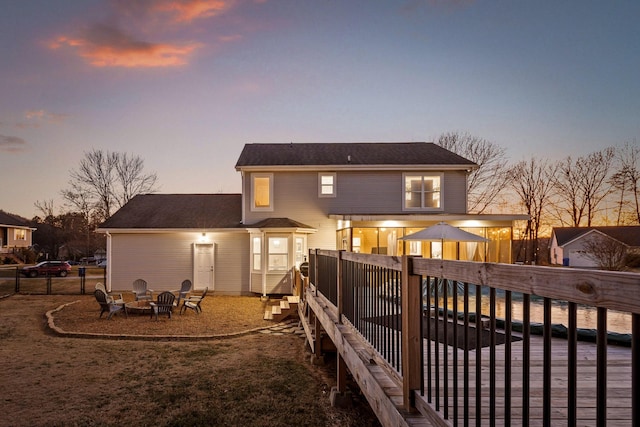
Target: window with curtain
[[262, 191]]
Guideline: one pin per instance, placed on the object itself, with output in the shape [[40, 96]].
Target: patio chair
[[163, 305], [140, 290], [193, 302], [184, 290], [108, 306], [115, 297]]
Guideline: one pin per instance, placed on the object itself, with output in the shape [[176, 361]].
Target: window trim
[[423, 175], [255, 208], [321, 175]]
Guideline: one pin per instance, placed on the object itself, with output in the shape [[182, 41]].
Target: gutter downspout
[[109, 259]]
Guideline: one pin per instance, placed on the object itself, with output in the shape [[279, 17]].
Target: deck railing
[[395, 302]]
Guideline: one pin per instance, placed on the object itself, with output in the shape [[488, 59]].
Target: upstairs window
[[262, 192], [326, 185], [422, 192]]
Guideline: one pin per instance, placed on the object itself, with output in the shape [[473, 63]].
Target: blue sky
[[185, 84]]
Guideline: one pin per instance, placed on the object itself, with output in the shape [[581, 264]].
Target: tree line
[[599, 188]]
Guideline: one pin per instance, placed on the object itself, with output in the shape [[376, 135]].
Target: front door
[[203, 265]]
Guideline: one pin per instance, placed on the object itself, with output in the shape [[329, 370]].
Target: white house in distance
[[15, 233], [567, 243], [360, 197]]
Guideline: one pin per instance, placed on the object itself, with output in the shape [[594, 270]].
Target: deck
[[619, 384], [371, 309]]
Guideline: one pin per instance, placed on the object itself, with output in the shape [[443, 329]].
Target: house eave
[[351, 167], [428, 217], [282, 230], [168, 230]]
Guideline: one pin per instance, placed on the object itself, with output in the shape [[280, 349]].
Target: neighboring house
[[567, 243], [15, 233], [361, 197]]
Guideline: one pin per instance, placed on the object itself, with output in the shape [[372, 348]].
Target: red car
[[47, 268]]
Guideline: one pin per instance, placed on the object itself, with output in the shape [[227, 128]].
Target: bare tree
[[532, 182], [626, 179], [581, 185], [490, 179], [105, 181], [608, 253]]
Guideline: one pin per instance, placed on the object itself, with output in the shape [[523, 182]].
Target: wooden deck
[[618, 384], [364, 362]]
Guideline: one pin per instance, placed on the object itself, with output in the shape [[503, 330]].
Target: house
[[15, 233], [568, 243], [360, 197]]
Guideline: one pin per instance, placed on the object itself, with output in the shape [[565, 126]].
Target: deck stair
[[283, 309]]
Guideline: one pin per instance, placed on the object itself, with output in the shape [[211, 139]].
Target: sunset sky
[[185, 84]]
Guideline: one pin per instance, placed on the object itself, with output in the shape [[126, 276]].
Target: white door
[[203, 265]]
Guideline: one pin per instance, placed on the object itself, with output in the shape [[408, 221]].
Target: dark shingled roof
[[170, 211], [343, 154], [629, 235], [279, 223], [10, 219]]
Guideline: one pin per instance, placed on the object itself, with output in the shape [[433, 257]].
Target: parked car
[[47, 268], [102, 264]]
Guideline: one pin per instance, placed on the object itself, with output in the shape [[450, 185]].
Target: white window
[[262, 192], [422, 192], [256, 253], [326, 185], [20, 234], [278, 254]]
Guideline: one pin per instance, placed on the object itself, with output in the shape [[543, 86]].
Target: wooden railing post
[[340, 286], [341, 365], [411, 297], [315, 271]]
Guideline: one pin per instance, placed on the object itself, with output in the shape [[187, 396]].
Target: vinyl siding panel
[[295, 196], [164, 260]]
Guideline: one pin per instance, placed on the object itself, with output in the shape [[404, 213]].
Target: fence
[[436, 324], [11, 281]]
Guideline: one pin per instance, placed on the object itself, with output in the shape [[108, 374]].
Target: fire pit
[[139, 307]]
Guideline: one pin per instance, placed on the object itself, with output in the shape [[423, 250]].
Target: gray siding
[[164, 260], [359, 192]]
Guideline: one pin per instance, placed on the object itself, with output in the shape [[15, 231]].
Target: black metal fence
[[11, 281]]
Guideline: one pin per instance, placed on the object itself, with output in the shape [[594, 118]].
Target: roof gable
[[629, 235], [176, 211], [344, 154]]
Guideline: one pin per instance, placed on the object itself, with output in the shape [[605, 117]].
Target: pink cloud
[[12, 144], [189, 10], [107, 46]]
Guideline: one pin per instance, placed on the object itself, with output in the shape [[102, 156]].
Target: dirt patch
[[254, 379]]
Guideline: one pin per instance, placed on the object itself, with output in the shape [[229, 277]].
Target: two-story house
[[360, 197], [15, 233]]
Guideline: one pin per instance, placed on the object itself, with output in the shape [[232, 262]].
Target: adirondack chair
[[140, 290], [184, 290], [163, 305], [193, 302], [108, 306], [115, 297]]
